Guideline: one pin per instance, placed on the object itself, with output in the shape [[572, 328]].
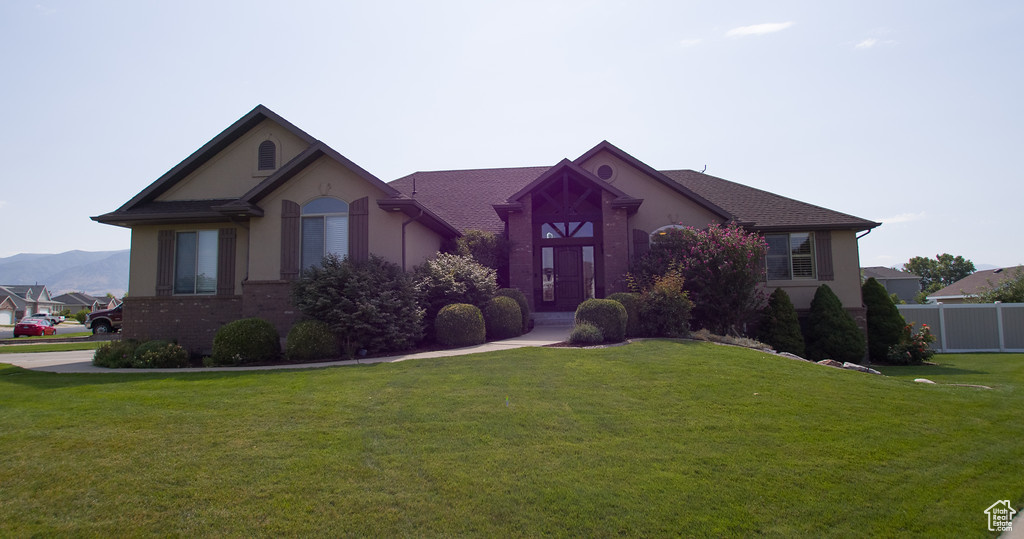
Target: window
[[790, 256], [572, 229], [267, 158], [195, 262], [324, 230]]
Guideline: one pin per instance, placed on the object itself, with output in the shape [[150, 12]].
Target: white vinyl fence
[[974, 327]]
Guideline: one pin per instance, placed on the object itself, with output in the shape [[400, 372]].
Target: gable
[[233, 171]]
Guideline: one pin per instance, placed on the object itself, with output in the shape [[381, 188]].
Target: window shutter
[[267, 159], [226, 262], [290, 239], [823, 250], [164, 262], [641, 242], [359, 229]]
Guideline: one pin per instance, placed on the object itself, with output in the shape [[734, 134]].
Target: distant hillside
[[92, 272]]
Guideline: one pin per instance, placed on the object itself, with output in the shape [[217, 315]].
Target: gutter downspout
[[864, 234], [410, 220]]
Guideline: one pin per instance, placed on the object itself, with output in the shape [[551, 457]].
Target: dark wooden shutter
[[641, 242], [164, 262], [267, 159], [359, 229], [226, 262], [823, 250], [290, 238]]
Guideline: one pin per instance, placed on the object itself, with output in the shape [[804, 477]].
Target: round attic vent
[[605, 172]]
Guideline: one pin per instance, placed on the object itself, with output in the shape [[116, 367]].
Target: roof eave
[[417, 212]]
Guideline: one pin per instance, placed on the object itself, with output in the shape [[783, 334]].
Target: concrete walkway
[[80, 361]]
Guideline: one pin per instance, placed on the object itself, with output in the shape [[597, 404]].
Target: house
[[20, 300], [222, 235], [78, 301], [905, 285], [970, 287]]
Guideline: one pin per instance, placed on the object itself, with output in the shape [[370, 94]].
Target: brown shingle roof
[[976, 283], [882, 272]]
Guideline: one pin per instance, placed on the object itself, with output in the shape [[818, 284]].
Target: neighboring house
[[26, 299], [905, 285], [8, 309], [77, 301], [222, 235], [970, 287]]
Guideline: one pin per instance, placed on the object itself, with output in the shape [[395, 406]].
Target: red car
[[34, 327]]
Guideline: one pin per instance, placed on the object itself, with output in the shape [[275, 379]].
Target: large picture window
[[195, 262], [790, 256], [324, 230]]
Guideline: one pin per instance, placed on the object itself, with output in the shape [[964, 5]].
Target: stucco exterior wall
[[142, 267], [233, 171], [846, 282], [421, 243]]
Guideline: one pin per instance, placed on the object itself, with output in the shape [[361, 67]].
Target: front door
[[568, 277]]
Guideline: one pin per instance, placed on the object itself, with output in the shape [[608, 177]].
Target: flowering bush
[[913, 348], [722, 268], [447, 279]]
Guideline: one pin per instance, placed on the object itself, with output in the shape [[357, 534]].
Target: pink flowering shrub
[[722, 267], [913, 348]]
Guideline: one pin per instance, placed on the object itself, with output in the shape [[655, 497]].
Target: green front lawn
[[21, 348], [655, 438]]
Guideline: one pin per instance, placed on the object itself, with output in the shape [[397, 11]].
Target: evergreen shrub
[[115, 354], [447, 279], [607, 315], [460, 324], [831, 332], [780, 326], [631, 301], [245, 341], [502, 318], [885, 323], [159, 354], [524, 306], [586, 334], [310, 340]]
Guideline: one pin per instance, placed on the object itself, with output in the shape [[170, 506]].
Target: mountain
[[92, 272]]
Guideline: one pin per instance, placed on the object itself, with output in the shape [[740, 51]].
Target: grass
[[49, 347], [654, 438]]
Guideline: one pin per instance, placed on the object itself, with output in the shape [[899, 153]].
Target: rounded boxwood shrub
[[115, 354], [245, 341], [460, 324], [586, 333], [831, 332], [159, 354], [502, 318], [885, 323], [524, 306], [607, 315], [310, 340], [448, 279], [631, 302], [780, 326]]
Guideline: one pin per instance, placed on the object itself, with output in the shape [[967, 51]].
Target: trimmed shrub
[[369, 304], [885, 323], [607, 315], [460, 324], [831, 332], [82, 315], [115, 354], [447, 279], [245, 341], [631, 302], [780, 326], [502, 318], [159, 355], [310, 340], [586, 334], [524, 306], [665, 307]]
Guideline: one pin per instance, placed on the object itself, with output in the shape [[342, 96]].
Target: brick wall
[[616, 245], [272, 301], [520, 263], [190, 320]]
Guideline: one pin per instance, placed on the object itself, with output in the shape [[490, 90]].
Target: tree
[[885, 323], [722, 269], [488, 249], [780, 326], [1008, 291], [831, 332], [942, 271]]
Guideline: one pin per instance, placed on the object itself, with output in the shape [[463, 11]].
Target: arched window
[[324, 230], [267, 159]]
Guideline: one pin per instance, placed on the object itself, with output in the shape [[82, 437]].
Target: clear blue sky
[[908, 113]]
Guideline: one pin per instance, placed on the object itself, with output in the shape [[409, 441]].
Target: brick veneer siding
[[520, 262], [272, 301], [190, 320], [615, 245]]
